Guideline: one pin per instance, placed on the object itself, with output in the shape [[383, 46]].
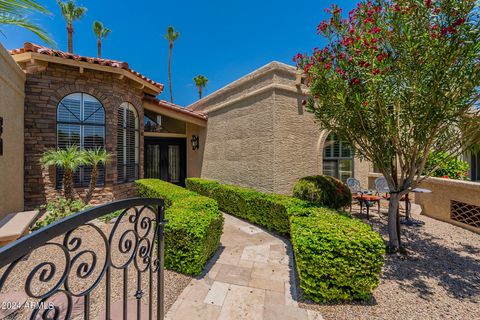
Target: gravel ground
[[91, 240], [440, 279]]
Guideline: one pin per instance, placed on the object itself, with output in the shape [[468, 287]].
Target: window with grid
[[127, 143], [337, 158], [81, 122]]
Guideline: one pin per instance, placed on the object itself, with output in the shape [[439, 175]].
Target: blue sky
[[222, 40]]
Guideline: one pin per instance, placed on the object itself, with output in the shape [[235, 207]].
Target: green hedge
[[192, 234], [338, 258], [323, 191], [269, 210]]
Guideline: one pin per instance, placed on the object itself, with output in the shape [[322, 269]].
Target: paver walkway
[[252, 277]]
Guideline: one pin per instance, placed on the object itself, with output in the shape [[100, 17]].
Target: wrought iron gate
[[77, 267]]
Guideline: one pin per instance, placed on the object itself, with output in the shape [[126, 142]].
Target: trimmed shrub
[[338, 258], [269, 210], [192, 234], [323, 191]]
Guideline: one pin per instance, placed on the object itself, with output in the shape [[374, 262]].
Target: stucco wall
[[438, 204], [259, 134], [195, 157], [239, 143], [12, 94]]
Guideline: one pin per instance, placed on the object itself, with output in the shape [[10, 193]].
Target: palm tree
[[101, 32], [16, 12], [94, 157], [70, 13], [69, 160], [200, 82], [171, 36]]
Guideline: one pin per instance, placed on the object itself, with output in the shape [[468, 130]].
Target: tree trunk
[[169, 72], [200, 92], [393, 232], [99, 47], [93, 184], [70, 36], [68, 184]]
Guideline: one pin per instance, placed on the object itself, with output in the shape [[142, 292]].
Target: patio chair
[[363, 199], [382, 189], [355, 188]]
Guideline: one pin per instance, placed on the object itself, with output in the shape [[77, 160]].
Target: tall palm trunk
[[70, 37], [200, 92], [169, 71], [93, 184], [99, 48], [68, 184]]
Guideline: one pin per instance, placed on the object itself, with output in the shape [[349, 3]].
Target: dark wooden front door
[[165, 159]]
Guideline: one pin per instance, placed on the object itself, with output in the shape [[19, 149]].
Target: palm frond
[[171, 34], [21, 7], [70, 11], [26, 24]]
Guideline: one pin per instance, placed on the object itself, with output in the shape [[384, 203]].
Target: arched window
[[337, 158], [128, 144], [81, 122]]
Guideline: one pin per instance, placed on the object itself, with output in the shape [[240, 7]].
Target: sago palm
[[200, 82], [171, 37], [94, 158], [70, 13], [16, 13], [69, 160], [101, 32]]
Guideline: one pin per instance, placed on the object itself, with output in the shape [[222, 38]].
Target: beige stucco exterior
[[260, 135], [438, 204], [12, 95]]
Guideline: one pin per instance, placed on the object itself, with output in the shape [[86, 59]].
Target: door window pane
[[174, 163]]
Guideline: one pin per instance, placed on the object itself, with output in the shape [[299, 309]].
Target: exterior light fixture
[[195, 142]]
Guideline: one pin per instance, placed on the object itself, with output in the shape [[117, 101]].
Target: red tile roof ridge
[[31, 47]]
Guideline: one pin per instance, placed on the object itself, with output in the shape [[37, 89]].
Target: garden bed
[[337, 258], [439, 280]]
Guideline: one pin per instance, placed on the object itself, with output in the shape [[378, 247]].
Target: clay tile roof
[[175, 107], [30, 47]]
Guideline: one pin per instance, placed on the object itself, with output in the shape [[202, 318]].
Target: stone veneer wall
[[44, 89]]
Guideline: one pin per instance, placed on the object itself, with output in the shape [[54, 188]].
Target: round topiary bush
[[323, 191]]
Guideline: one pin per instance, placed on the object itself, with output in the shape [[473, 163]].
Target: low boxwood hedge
[[192, 234], [269, 210], [338, 258], [323, 191]]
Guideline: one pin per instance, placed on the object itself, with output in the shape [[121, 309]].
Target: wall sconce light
[[195, 142]]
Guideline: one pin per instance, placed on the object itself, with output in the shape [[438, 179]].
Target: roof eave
[[121, 73]]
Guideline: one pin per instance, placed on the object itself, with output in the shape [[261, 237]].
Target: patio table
[[408, 220], [368, 200]]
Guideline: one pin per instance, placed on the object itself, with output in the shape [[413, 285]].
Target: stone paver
[[251, 277]]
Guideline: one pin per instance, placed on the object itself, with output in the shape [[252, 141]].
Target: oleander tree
[[399, 81]]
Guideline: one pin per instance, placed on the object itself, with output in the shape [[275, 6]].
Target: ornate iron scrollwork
[[76, 256]]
